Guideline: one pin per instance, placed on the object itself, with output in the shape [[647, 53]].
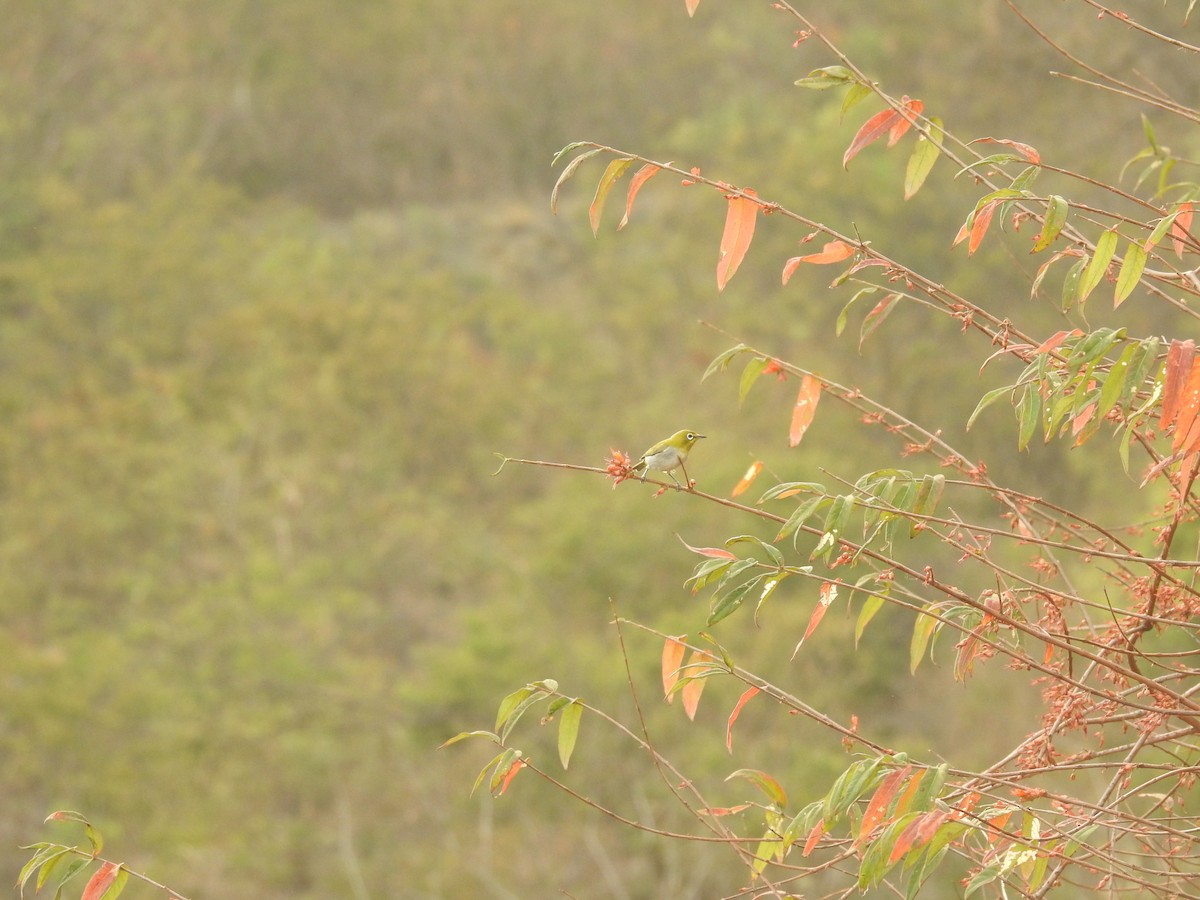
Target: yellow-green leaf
[[568, 730], [1052, 224], [924, 155], [1131, 271], [1106, 246], [923, 629], [615, 170]]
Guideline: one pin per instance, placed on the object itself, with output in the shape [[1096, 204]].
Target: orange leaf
[[1052, 342], [714, 552], [101, 881], [1189, 404], [695, 687], [737, 709], [1080, 421], [644, 174], [898, 130], [979, 227], [918, 833], [725, 810], [805, 408], [1030, 154], [872, 130], [748, 478], [736, 238], [1179, 228], [877, 807], [834, 251], [1179, 365], [672, 657], [826, 596], [818, 831], [691, 6]]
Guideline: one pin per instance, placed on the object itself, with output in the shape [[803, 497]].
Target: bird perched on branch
[[667, 456]]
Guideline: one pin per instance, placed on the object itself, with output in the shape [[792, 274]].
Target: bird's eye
[[690, 436]]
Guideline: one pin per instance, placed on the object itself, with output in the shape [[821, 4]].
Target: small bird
[[667, 456]]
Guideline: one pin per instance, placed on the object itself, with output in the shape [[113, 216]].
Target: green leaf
[[827, 77], [568, 731], [801, 515], [1159, 230], [876, 317], [724, 605], [1106, 246], [72, 870], [509, 704], [1029, 411], [612, 172], [1132, 267], [988, 399], [491, 764], [462, 735], [844, 315], [113, 891], [1052, 223], [924, 155], [855, 95], [1114, 382], [929, 493], [858, 778], [722, 360], [567, 173], [1070, 286], [772, 552], [750, 374], [872, 605]]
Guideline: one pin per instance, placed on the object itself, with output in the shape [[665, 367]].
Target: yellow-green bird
[[669, 455]]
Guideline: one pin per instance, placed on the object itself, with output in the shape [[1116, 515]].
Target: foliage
[[1102, 616]]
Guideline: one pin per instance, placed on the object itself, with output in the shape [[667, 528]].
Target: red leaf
[[1055, 340], [644, 174], [516, 767], [872, 130], [101, 881], [737, 709], [1030, 154], [818, 831], [805, 408], [898, 130], [1180, 227], [918, 833], [979, 227], [826, 596], [714, 552], [877, 807], [1179, 365], [736, 238], [725, 810], [748, 478], [672, 657], [1189, 405]]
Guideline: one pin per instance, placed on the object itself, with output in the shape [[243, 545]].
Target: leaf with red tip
[[1029, 153], [876, 317], [714, 552], [516, 767], [833, 252], [748, 479], [737, 709], [615, 170], [640, 177], [672, 659], [740, 218], [805, 408], [872, 130], [1180, 227]]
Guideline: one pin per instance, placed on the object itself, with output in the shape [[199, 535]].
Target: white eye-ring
[[690, 436]]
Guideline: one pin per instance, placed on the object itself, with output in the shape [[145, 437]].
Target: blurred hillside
[[277, 281]]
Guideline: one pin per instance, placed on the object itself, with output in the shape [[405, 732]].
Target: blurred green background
[[278, 278]]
